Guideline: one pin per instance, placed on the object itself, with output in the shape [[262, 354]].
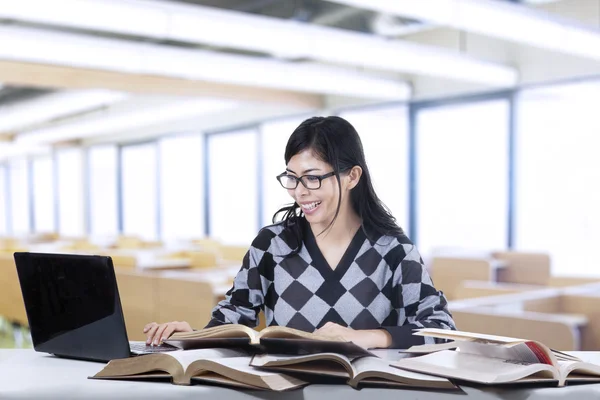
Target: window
[[462, 176], [233, 205], [43, 194], [139, 188], [19, 197], [181, 183], [557, 174], [384, 135], [71, 220], [103, 198], [274, 137]]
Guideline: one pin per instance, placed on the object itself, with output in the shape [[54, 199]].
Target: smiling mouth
[[310, 206]]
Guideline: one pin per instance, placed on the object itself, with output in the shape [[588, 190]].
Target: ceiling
[[109, 65]]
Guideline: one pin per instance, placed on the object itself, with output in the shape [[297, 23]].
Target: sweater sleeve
[[416, 302], [245, 299]]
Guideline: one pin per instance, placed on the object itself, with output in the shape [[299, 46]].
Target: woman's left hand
[[364, 338]]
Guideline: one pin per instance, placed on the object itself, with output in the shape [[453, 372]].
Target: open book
[[217, 366], [367, 371], [490, 359], [274, 339]]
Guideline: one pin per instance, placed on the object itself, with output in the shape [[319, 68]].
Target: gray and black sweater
[[378, 284]]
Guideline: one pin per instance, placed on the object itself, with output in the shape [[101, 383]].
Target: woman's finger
[[159, 333], [148, 326], [167, 333], [150, 333]]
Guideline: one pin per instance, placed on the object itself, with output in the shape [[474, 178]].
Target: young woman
[[337, 263]]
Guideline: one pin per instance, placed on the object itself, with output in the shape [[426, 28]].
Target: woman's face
[[318, 205]]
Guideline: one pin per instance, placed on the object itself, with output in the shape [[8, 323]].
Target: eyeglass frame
[[299, 179]]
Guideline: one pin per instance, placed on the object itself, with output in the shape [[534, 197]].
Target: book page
[[475, 368], [220, 331], [240, 370], [187, 357], [573, 370], [322, 363], [528, 352], [372, 367], [285, 332], [459, 335], [429, 348]]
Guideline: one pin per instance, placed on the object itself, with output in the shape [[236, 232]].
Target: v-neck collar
[[319, 261]]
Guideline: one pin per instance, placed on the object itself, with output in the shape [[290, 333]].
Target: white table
[[25, 374]]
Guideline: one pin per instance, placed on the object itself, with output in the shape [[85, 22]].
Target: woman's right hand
[[156, 334]]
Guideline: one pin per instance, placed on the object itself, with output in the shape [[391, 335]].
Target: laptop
[[73, 307]]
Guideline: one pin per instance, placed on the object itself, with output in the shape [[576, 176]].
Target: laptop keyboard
[[143, 348]]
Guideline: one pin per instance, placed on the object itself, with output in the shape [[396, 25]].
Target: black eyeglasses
[[311, 182]]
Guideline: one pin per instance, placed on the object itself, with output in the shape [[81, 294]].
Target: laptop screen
[[72, 303]]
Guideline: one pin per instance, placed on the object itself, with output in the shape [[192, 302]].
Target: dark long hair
[[335, 141]]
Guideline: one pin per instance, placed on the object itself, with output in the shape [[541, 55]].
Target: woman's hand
[[156, 334], [368, 339]]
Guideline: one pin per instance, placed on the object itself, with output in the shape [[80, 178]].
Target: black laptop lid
[[73, 306]]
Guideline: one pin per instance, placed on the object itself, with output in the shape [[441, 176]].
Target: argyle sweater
[[378, 284]]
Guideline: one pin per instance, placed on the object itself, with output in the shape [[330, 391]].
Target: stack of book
[[279, 359]]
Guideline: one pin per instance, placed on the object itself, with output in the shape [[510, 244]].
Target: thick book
[[489, 359], [357, 371], [273, 339], [226, 367]]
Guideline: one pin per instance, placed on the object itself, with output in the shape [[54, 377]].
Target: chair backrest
[[525, 268], [474, 289], [11, 298], [203, 259], [448, 273], [138, 291], [560, 332], [233, 253], [185, 299]]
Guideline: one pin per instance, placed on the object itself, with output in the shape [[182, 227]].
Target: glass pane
[[384, 135], [274, 138], [102, 161], [181, 183], [71, 220], [462, 176], [558, 176], [43, 194], [139, 188], [19, 197], [233, 202]]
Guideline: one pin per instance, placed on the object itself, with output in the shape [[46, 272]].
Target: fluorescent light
[[198, 24], [66, 49], [14, 117], [109, 122], [502, 20]]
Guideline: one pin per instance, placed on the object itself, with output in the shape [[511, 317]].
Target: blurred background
[[152, 131]]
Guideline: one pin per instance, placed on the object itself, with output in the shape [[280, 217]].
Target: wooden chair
[[138, 292], [233, 253], [525, 268], [11, 298], [185, 299], [448, 272], [203, 259], [474, 289]]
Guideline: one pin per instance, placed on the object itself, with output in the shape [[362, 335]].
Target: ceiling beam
[[84, 51], [502, 20], [23, 114], [122, 119], [163, 20], [63, 77]]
